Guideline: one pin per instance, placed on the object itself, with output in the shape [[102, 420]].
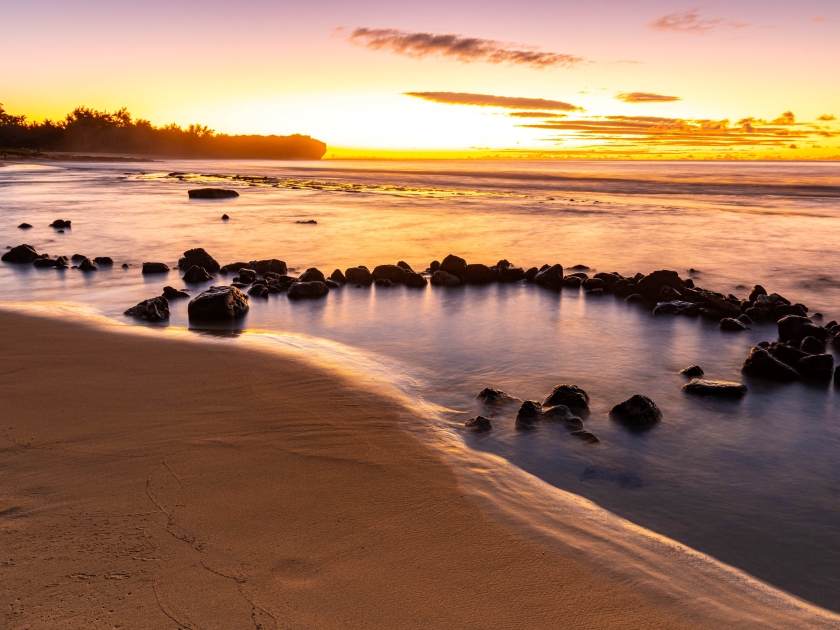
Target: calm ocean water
[[754, 483]]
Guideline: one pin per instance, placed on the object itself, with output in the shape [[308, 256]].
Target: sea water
[[753, 482]]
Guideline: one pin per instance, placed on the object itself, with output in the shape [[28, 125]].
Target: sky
[[535, 78]]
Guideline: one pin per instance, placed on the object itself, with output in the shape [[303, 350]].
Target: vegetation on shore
[[90, 130]]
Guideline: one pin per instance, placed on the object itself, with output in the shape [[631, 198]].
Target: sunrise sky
[[604, 78]]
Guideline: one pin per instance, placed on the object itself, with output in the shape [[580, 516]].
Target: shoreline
[[493, 556]]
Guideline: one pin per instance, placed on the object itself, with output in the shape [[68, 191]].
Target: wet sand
[[148, 482]]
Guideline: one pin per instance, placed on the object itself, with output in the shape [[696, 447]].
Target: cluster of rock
[[800, 353], [27, 255]]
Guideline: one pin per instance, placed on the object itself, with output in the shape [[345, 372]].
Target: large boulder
[[154, 309], [817, 367], [609, 279], [312, 275], [638, 413], [511, 274], [477, 273], [155, 267], [715, 389], [812, 345], [218, 304], [22, 254], [198, 258], [312, 289], [415, 280], [528, 414], [479, 423], [763, 364], [197, 274], [211, 193], [394, 273], [445, 279], [551, 277], [495, 397], [270, 264], [247, 276], [795, 328], [651, 285], [571, 396], [337, 276], [105, 261], [359, 275], [454, 265]]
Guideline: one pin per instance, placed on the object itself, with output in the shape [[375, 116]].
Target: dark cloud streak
[[490, 100], [646, 97]]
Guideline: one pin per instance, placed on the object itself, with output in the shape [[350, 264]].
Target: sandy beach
[[147, 482]]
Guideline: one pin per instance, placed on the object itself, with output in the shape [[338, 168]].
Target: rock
[[609, 279], [668, 294], [692, 371], [24, 226], [595, 292], [676, 307], [271, 264], [650, 285], [312, 275], [561, 413], [511, 274], [78, 257], [405, 266], [786, 354], [817, 367], [735, 325], [308, 222], [171, 293], [383, 282], [434, 266], [455, 266], [716, 389], [638, 412], [480, 274], [124, 265], [593, 283], [332, 284], [44, 263], [235, 267], [312, 289], [337, 276], [528, 413], [247, 275], [218, 304], [197, 274], [154, 309], [795, 328], [212, 193], [531, 273], [586, 436], [622, 288], [393, 273], [199, 258], [442, 278], [258, 290], [638, 298], [571, 396], [763, 364], [745, 319], [225, 217], [572, 282], [504, 263], [105, 261], [88, 265], [60, 224], [756, 291], [789, 309], [580, 268], [496, 397], [415, 280], [155, 267], [479, 423], [22, 254], [720, 304], [812, 345], [359, 275]]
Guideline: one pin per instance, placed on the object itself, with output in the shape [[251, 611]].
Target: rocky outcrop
[[479, 423], [445, 279], [155, 267], [495, 397], [638, 413], [651, 285], [715, 389], [763, 364], [795, 328], [212, 193], [311, 289], [154, 309], [571, 396], [196, 274], [359, 275], [218, 304], [22, 254]]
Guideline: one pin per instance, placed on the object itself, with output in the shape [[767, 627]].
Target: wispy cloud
[[536, 115], [457, 47], [827, 117], [489, 100], [646, 97], [821, 18], [691, 22]]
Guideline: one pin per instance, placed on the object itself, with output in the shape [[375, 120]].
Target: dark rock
[[78, 257], [271, 264], [719, 304], [676, 307], [155, 267], [692, 371], [312, 289], [337, 276], [239, 285], [197, 274], [247, 275], [383, 282], [595, 292], [734, 325], [716, 389], [218, 304], [496, 397], [689, 283], [786, 353], [756, 291], [225, 217], [531, 273], [504, 263], [434, 266], [235, 267], [745, 319], [650, 285], [258, 290], [622, 288], [415, 280], [455, 266], [105, 261], [777, 299], [609, 279], [199, 258], [638, 298], [511, 274], [212, 193], [789, 309], [312, 275], [593, 283], [571, 396], [405, 266], [154, 309], [528, 413], [817, 367], [442, 278], [60, 224], [581, 275], [359, 275], [332, 284], [795, 328], [761, 363], [552, 275], [88, 265], [124, 265], [580, 268], [586, 436], [393, 273], [561, 413], [572, 282], [45, 263], [24, 226], [171, 293], [308, 222], [812, 345], [638, 412], [480, 274], [479, 423], [669, 294], [22, 254]]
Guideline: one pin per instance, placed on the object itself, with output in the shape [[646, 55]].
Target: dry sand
[[155, 483]]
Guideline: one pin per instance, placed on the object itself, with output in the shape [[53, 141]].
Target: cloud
[[646, 97], [821, 18], [489, 100], [691, 22], [785, 119], [536, 115], [457, 47], [827, 117]]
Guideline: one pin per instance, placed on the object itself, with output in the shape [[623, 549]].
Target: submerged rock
[[24, 226], [480, 274], [247, 275], [212, 193], [479, 423], [586, 436], [259, 290], [311, 289], [571, 396], [638, 413], [337, 276], [154, 309], [497, 397], [564, 415], [692, 371], [761, 363], [22, 254], [197, 274], [528, 413], [393, 273], [88, 265], [218, 304], [60, 224], [171, 293], [734, 325], [383, 282], [455, 266], [817, 367], [312, 275], [155, 267], [442, 278], [717, 389], [415, 280], [359, 275]]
